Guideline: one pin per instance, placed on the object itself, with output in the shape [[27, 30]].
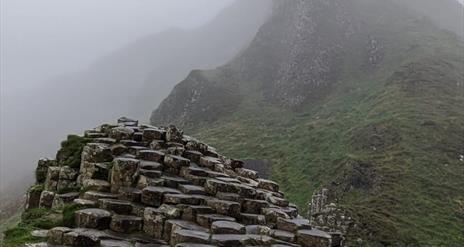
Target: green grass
[[68, 214], [386, 143], [70, 151], [32, 219]]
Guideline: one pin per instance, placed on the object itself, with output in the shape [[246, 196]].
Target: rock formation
[[155, 186], [327, 216]]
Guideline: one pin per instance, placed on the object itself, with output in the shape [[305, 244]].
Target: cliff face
[[361, 97], [297, 56], [126, 184]]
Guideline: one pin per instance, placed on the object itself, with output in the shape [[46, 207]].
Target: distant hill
[[363, 97]]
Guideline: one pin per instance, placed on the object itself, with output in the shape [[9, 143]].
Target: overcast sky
[[43, 39], [70, 34]]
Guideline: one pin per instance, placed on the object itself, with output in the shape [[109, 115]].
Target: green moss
[[18, 236], [68, 214], [41, 218], [71, 150], [68, 190], [32, 219]]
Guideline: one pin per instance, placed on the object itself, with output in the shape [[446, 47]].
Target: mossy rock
[[71, 150]]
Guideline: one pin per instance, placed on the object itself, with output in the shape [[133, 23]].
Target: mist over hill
[[362, 97]]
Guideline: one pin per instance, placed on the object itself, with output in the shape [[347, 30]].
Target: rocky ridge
[[147, 186]]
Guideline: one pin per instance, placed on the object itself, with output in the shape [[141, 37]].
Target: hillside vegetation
[[385, 135]]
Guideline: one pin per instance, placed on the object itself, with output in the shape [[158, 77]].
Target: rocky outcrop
[[327, 216], [158, 187]]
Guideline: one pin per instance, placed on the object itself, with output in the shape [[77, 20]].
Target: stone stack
[[327, 216], [148, 186]]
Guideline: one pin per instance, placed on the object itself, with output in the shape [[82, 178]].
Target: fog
[[68, 65], [57, 57]]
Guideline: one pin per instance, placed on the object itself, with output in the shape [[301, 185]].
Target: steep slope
[[362, 97]]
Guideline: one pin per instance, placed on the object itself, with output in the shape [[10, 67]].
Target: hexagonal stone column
[[93, 218], [123, 173]]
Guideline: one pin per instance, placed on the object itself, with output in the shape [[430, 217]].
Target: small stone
[[153, 222], [36, 245], [181, 199], [173, 134], [189, 236], [175, 162], [96, 185], [247, 173], [52, 178], [253, 206], [173, 225], [93, 218], [33, 196], [283, 235], [281, 202], [252, 219], [151, 155], [190, 212], [118, 149], [150, 173], [114, 243], [228, 196], [126, 223], [116, 206], [150, 165], [130, 194], [268, 185], [123, 173], [258, 230], [228, 208], [46, 199], [206, 220], [60, 199], [272, 214], [121, 133], [209, 162], [227, 227], [150, 134], [55, 235], [39, 233], [313, 238], [95, 195], [192, 189], [241, 240], [193, 155], [84, 202], [293, 225], [174, 182], [68, 173], [153, 196], [42, 169], [96, 153]]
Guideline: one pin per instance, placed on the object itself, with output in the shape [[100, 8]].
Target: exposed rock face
[[295, 58], [177, 192], [327, 216]]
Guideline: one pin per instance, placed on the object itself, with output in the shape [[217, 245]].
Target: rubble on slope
[[141, 185]]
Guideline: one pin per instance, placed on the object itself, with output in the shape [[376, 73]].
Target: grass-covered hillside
[[387, 137], [389, 146]]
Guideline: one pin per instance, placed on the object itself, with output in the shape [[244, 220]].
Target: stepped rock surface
[[140, 185]]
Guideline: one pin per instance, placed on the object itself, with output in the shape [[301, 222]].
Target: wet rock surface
[[162, 188]]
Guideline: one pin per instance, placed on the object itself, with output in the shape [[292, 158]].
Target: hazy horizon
[[42, 41]]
